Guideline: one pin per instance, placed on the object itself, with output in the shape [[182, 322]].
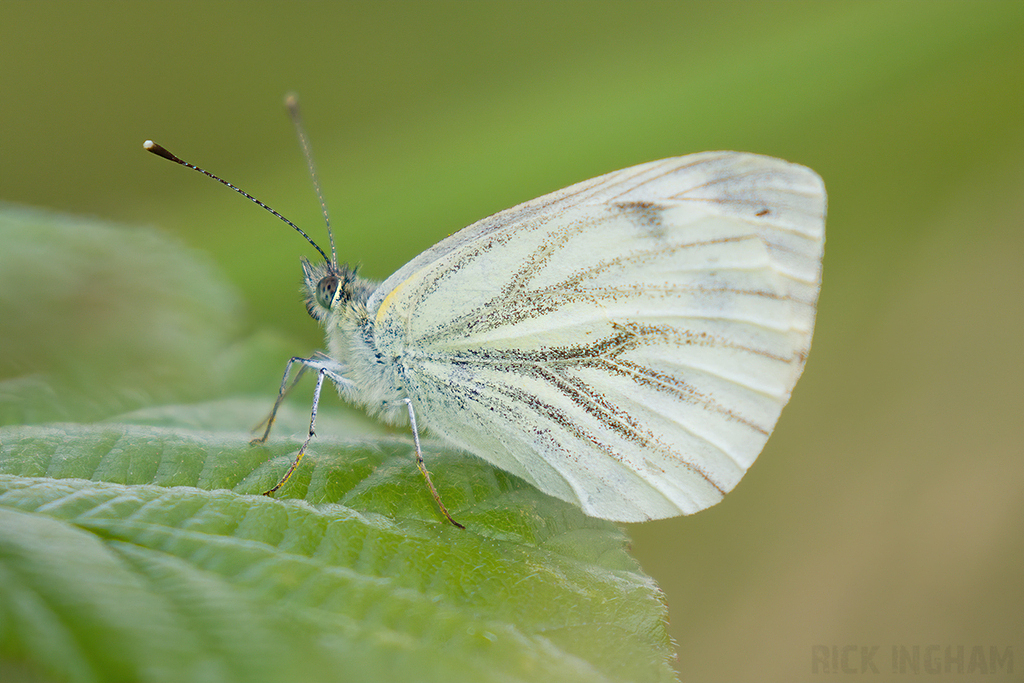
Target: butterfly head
[[329, 288]]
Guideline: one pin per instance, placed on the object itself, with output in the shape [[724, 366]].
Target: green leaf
[[128, 549], [137, 547]]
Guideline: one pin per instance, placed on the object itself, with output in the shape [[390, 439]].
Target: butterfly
[[625, 344]]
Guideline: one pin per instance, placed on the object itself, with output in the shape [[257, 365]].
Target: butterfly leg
[[321, 373], [423, 466], [284, 391]]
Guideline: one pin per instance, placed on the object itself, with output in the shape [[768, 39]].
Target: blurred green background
[[888, 507]]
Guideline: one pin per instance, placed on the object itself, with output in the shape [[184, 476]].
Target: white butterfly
[[625, 344]]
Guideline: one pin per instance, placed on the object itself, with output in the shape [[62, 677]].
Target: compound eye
[[326, 289]]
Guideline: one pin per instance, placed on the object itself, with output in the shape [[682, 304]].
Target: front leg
[[284, 391], [312, 431], [325, 368]]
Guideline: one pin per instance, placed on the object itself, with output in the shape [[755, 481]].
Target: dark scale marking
[[602, 355], [491, 315], [676, 337], [542, 302], [685, 392], [639, 257], [547, 410], [586, 401], [651, 440], [664, 383], [511, 293], [595, 406], [541, 256], [465, 255], [513, 307], [633, 430], [645, 214], [630, 336]]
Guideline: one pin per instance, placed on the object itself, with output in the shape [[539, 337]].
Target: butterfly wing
[[626, 344]]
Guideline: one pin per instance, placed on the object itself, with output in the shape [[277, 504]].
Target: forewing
[[626, 343]]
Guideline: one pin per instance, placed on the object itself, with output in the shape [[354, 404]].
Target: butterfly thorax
[[336, 297]]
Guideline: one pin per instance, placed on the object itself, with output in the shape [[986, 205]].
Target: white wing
[[625, 344]]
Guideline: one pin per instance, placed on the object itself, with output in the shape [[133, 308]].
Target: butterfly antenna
[[156, 149], [292, 102]]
